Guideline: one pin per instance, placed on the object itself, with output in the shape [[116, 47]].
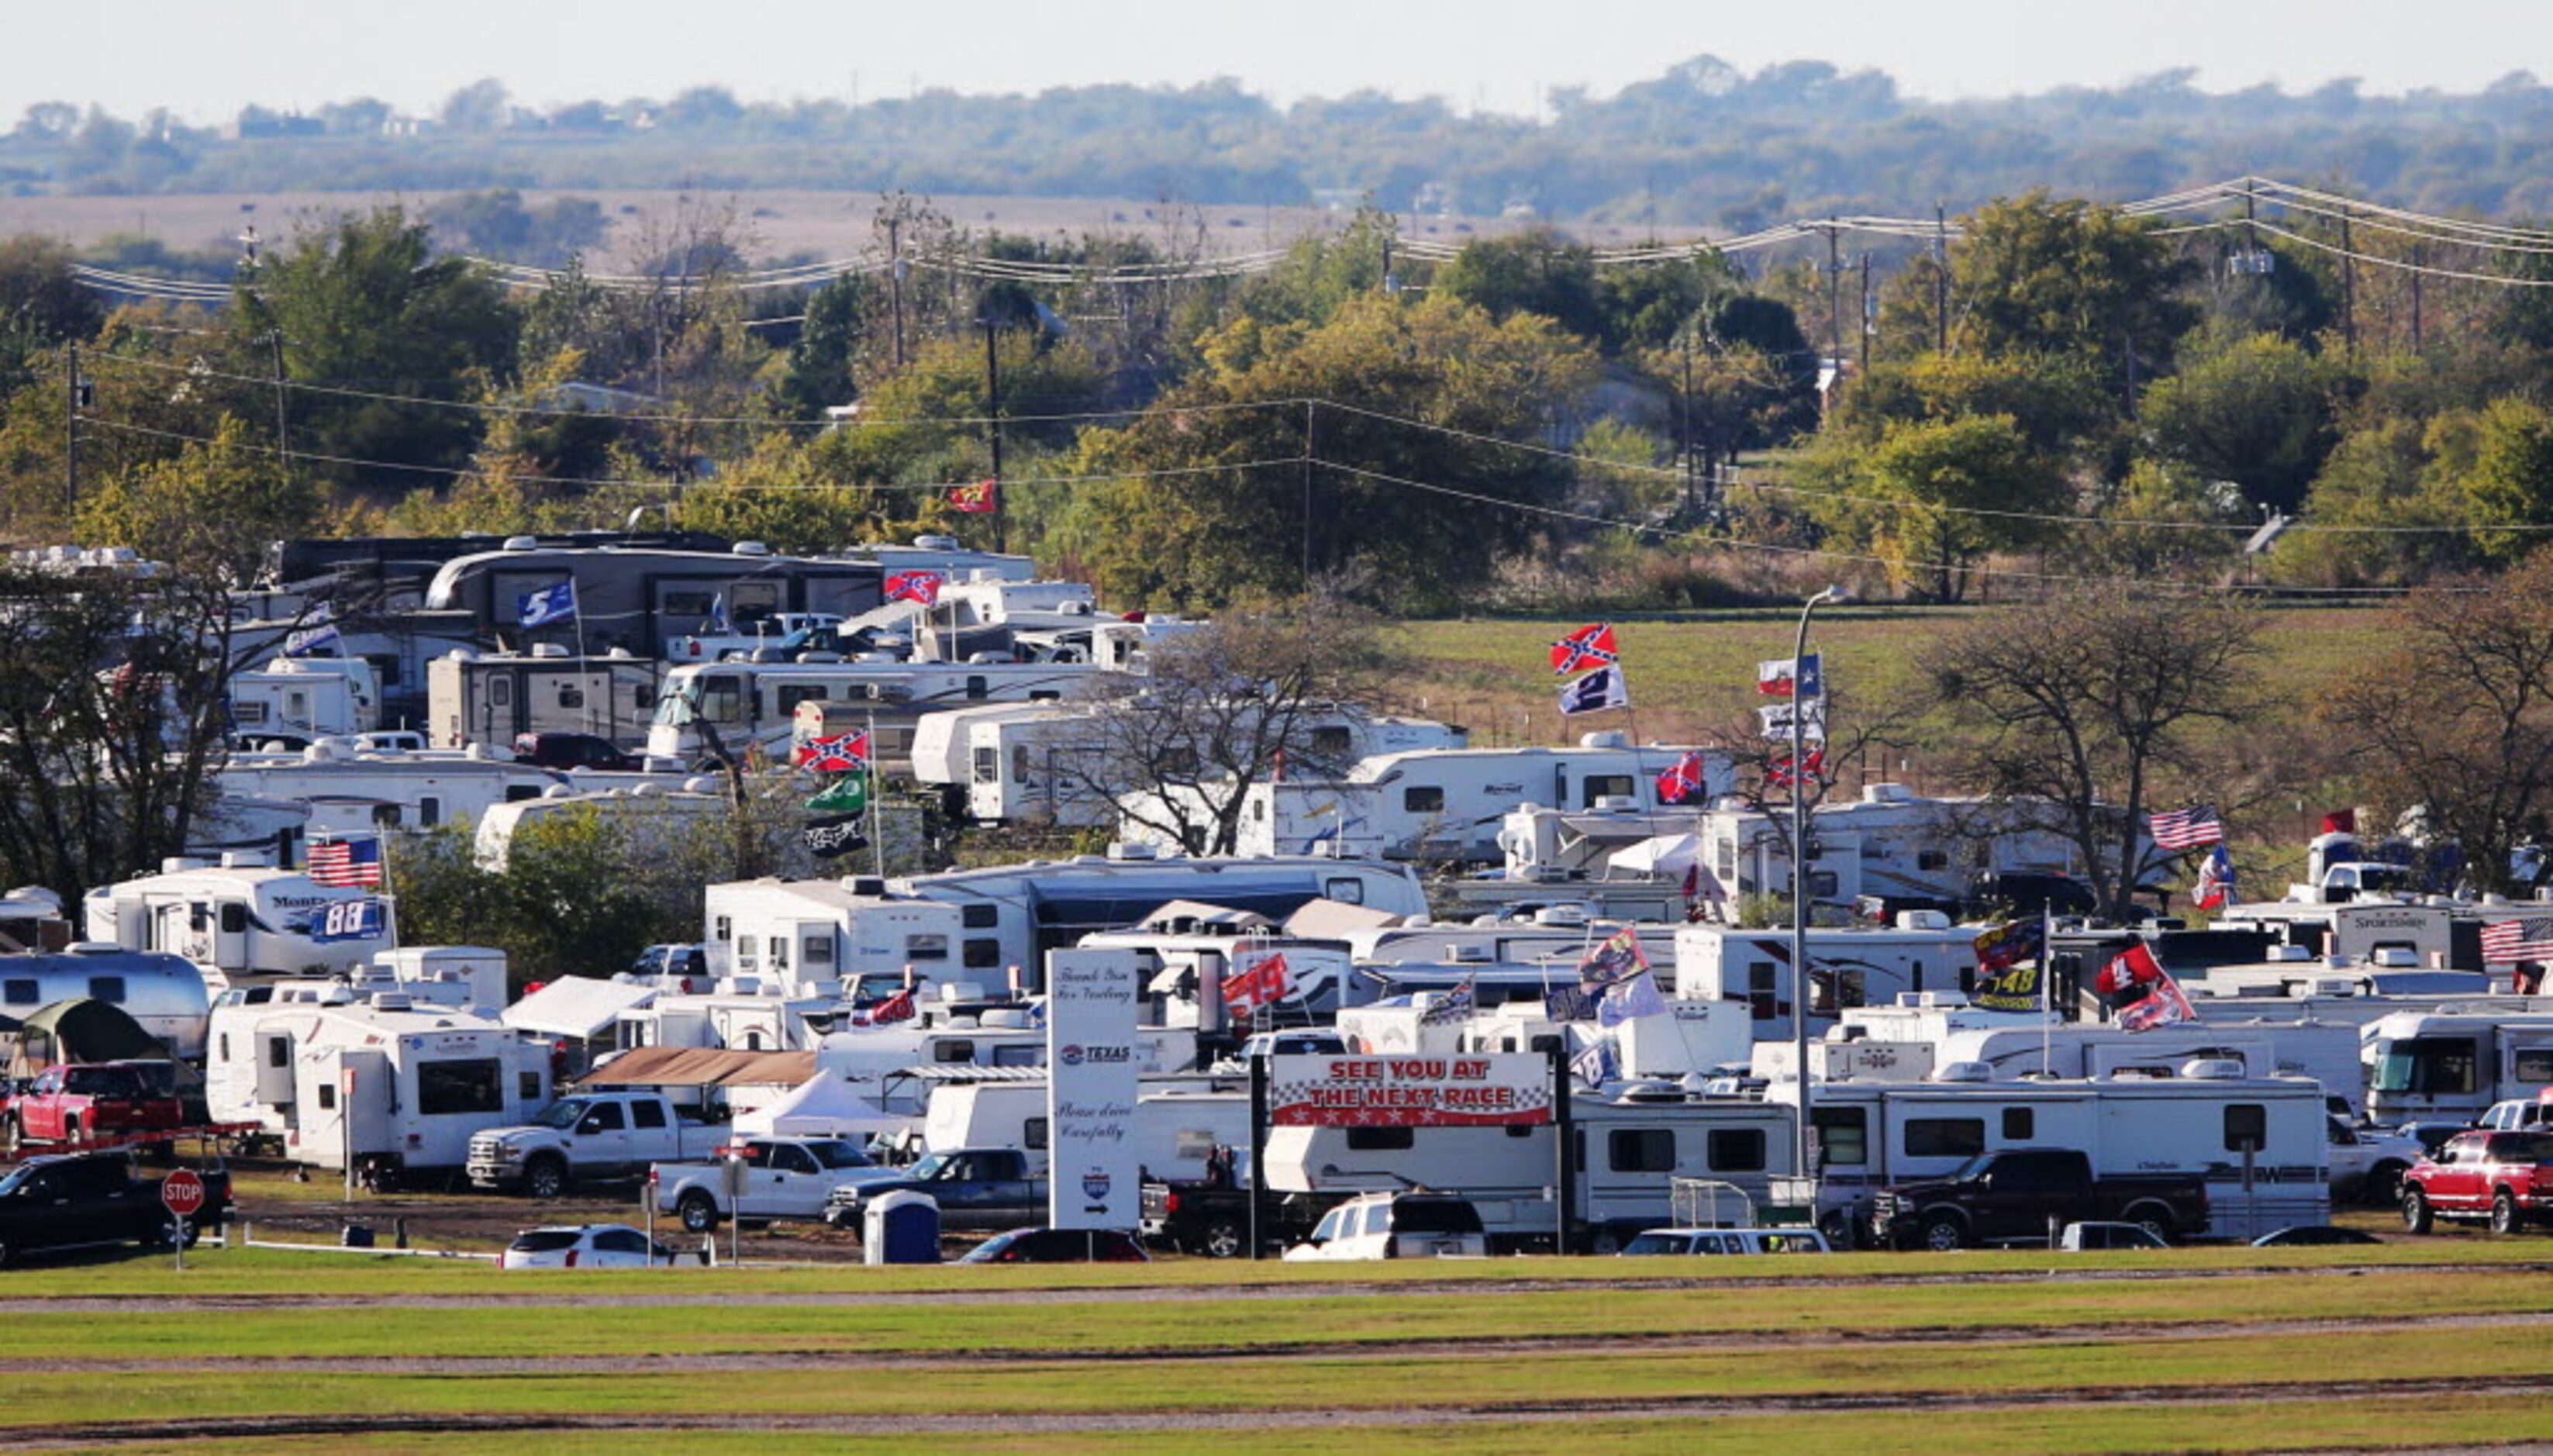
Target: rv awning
[[1662, 854], [1198, 912], [1332, 920], [575, 1006], [702, 1066]]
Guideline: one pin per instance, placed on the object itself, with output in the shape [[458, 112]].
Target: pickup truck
[[1213, 1218], [784, 1178], [975, 1187], [95, 1099], [2503, 1177], [589, 1136], [2368, 1163], [75, 1201], [2008, 1197]]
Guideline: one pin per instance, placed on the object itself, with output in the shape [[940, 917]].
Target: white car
[[2368, 1163], [585, 1246], [1396, 1226]]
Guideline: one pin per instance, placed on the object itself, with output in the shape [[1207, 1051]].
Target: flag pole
[[877, 843], [2047, 984]]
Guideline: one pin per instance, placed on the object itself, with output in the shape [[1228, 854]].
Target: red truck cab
[[2503, 1177], [81, 1100]]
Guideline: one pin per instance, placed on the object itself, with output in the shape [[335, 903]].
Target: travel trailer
[[653, 815], [163, 993], [1179, 1120], [490, 699], [242, 923], [1188, 954], [1848, 967], [378, 1084], [756, 704], [637, 598], [2449, 1062], [1448, 805], [991, 927], [306, 697], [350, 790]]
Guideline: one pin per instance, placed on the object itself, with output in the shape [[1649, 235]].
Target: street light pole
[[1800, 983]]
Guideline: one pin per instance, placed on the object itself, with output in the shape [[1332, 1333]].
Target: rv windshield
[[563, 1115], [680, 705], [2424, 1065]]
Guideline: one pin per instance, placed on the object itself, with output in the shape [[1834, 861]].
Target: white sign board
[[1090, 1089]]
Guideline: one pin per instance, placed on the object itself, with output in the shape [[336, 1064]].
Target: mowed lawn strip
[[1378, 1381], [1139, 1326]]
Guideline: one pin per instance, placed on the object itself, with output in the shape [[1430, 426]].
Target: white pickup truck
[[782, 1177], [589, 1136]]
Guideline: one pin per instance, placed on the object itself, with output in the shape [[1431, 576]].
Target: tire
[[1606, 1241], [697, 1211], [16, 1133], [2416, 1216], [544, 1176], [2154, 1219], [2385, 1182], [1942, 1233], [2505, 1217], [1838, 1231], [1223, 1239], [8, 1253]]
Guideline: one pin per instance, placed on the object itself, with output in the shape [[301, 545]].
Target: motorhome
[[2259, 1142], [947, 555], [2451, 1061], [1848, 967], [1189, 956], [655, 817], [377, 1083], [1689, 1039], [475, 698], [637, 598], [755, 703], [165, 993], [992, 926], [31, 919], [1179, 1120], [241, 923], [306, 697], [1447, 805], [1627, 1151], [352, 791], [1012, 763]]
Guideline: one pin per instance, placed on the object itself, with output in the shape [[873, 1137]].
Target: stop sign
[[183, 1191]]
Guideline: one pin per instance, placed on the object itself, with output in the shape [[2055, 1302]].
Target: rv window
[[792, 696], [1020, 764], [517, 793], [501, 692], [1946, 1137], [1726, 854], [779, 952], [1932, 859], [1843, 1136], [200, 916], [1423, 799], [952, 1050], [1737, 1150], [978, 689], [387, 668], [983, 954], [722, 698], [2533, 1064], [2018, 1124], [1642, 1150], [106, 988], [2424, 1065], [650, 1114], [385, 816], [225, 1047], [980, 917], [474, 1085], [279, 1052], [1380, 1139], [429, 812], [1020, 1056], [22, 991], [818, 950], [686, 603], [527, 1086], [1259, 811], [1600, 785], [2247, 1125], [1822, 883], [1331, 743], [247, 713], [327, 1096], [926, 948], [1544, 1045], [988, 765], [1033, 1134], [1760, 993], [722, 927], [570, 695], [642, 697], [1345, 891]]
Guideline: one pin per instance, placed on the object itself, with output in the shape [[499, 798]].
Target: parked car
[[783, 1176], [2092, 1235], [95, 1099], [2008, 1197], [691, 959], [975, 1187], [2505, 1179], [1059, 1246], [2311, 1235], [2368, 1163], [1396, 1226], [586, 1246], [1784, 1239], [75, 1201], [572, 750]]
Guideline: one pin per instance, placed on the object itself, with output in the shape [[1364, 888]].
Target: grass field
[[2213, 1349]]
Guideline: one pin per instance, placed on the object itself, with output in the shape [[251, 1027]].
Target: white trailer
[[243, 923], [307, 697], [1848, 967], [2450, 1063], [475, 698], [1872, 1134], [1178, 1121], [352, 791], [394, 1089], [756, 704], [164, 994]]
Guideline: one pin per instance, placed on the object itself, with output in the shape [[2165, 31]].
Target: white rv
[[1448, 804], [350, 790], [2450, 1063], [474, 698], [243, 923], [1185, 952], [394, 1089], [1178, 1121], [1871, 1133], [652, 814], [163, 993], [756, 704], [1848, 967], [306, 697]]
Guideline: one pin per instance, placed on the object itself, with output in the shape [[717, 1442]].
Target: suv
[[1059, 1246], [572, 750], [82, 1100], [682, 960], [2505, 1177], [1396, 1226], [1726, 1241]]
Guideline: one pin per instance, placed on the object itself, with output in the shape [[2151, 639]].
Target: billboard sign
[[1093, 1180], [1486, 1089]]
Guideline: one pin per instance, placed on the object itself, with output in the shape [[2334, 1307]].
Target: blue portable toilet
[[902, 1227]]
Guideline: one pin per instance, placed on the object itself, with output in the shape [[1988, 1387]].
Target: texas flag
[[1589, 646], [915, 585], [1788, 677]]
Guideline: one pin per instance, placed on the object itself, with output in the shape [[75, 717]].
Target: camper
[[164, 994], [492, 698], [241, 923], [1848, 967], [306, 697], [637, 598], [2259, 1142], [1179, 1120], [1447, 805], [377, 1083], [2424, 935], [1192, 958], [991, 927], [756, 704], [2451, 1061], [654, 815], [355, 791]]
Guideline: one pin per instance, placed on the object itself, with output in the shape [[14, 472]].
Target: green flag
[[848, 794]]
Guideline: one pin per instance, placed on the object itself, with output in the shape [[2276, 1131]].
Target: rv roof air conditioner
[[701, 784], [1932, 1000], [1468, 954], [750, 548], [2212, 1069], [864, 884], [94, 947], [2394, 958], [1606, 739], [521, 543], [1922, 920], [392, 1001], [2289, 952], [1652, 1092], [1561, 915], [1963, 1071], [935, 543], [548, 649], [1887, 794], [1124, 851]]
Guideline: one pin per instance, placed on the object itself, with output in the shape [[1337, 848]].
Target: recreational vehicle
[[163, 993], [306, 697], [1848, 967], [490, 699], [241, 923], [655, 817], [755, 703], [1193, 956], [377, 1083], [637, 598], [2450, 1063], [1179, 1120], [351, 791]]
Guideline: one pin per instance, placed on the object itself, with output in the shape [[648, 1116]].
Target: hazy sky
[[205, 61]]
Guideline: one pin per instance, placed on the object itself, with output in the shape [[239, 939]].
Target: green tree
[[211, 510], [2256, 412], [2066, 278], [1933, 499], [1537, 272], [2511, 480], [41, 304], [819, 369], [2381, 513]]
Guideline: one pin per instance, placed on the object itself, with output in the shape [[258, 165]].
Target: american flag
[[2187, 828], [344, 863], [2520, 938]]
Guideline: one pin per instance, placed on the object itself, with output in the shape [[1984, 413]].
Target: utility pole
[[993, 426], [1834, 295], [2348, 286], [70, 428], [282, 417], [2419, 258], [1866, 313], [895, 281], [1307, 514], [1940, 278]]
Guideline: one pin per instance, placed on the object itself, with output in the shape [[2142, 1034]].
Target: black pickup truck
[[2009, 1197], [1213, 1218], [94, 1199]]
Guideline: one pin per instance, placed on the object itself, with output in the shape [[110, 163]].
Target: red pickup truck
[[2506, 1178], [78, 1100]]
